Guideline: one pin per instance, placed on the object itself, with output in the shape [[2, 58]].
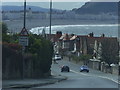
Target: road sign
[[24, 32], [23, 38]]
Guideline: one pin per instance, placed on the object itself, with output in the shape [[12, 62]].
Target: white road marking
[[93, 75], [96, 76], [79, 73]]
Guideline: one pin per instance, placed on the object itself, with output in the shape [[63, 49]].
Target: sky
[[45, 0], [56, 5], [60, 0]]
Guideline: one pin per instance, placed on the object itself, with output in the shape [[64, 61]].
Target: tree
[[110, 51], [43, 50], [4, 28], [5, 37]]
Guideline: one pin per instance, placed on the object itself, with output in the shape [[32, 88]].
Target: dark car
[[65, 69], [84, 68]]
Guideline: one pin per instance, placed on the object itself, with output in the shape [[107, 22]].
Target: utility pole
[[24, 14], [23, 37], [50, 18], [24, 27]]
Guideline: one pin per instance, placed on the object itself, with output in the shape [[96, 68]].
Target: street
[[77, 79]]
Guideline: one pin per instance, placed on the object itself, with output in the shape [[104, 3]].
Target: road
[[78, 79]]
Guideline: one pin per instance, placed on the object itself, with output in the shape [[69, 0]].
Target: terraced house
[[83, 44]]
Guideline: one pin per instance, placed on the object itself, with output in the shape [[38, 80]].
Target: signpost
[[23, 38]]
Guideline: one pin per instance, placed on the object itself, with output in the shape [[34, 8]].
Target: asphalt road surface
[[77, 79]]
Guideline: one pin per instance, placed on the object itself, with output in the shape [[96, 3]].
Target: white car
[[57, 57]]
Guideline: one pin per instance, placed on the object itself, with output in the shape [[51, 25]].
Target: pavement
[[28, 83]]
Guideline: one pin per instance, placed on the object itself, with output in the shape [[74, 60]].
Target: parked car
[[65, 69], [57, 57], [84, 68]]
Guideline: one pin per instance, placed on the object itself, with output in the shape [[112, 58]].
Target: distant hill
[[98, 7], [18, 8]]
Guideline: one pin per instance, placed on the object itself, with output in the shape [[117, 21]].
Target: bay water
[[110, 30]]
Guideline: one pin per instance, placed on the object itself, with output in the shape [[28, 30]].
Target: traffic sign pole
[[23, 50], [23, 38]]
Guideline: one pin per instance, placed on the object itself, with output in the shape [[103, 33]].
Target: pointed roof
[[74, 37], [65, 37]]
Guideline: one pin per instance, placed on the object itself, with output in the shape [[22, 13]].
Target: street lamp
[[50, 18], [24, 14]]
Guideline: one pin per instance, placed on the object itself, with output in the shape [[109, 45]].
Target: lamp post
[[50, 18], [24, 14]]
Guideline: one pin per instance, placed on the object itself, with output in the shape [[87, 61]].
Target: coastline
[[17, 25]]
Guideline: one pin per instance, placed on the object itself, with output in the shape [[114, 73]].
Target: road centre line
[[79, 73], [96, 76], [93, 75]]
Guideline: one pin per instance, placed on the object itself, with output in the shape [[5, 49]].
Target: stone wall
[[97, 65], [115, 70], [102, 66], [20, 70], [94, 64]]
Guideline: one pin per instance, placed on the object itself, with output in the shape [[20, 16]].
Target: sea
[[110, 30]]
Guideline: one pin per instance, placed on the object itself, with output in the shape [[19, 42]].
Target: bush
[[43, 50], [83, 58], [37, 58]]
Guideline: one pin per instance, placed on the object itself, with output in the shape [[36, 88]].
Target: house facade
[[79, 44]]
